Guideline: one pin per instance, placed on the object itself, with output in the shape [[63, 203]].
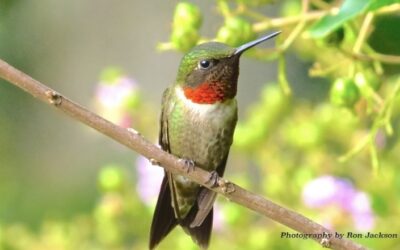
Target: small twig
[[362, 35], [373, 56], [394, 8], [291, 20], [136, 142], [280, 22], [381, 121]]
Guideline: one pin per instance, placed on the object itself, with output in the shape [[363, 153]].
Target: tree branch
[[136, 142]]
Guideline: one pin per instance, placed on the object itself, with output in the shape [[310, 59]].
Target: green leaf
[[349, 10], [376, 4]]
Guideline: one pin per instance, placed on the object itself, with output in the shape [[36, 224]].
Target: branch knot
[[54, 97]]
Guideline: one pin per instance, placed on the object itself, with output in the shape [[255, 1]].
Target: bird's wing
[[167, 108], [164, 218], [163, 138]]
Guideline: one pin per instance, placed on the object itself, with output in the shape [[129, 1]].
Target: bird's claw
[[189, 164], [213, 179]]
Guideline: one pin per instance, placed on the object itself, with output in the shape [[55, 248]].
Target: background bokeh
[[65, 186]]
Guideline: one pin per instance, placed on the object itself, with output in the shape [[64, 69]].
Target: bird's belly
[[204, 135]]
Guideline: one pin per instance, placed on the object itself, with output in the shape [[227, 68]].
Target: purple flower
[[361, 211], [149, 180], [219, 220], [328, 191], [115, 95]]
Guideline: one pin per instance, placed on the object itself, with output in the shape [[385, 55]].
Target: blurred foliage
[[283, 143]]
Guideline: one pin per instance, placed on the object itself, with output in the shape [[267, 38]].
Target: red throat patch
[[209, 93]]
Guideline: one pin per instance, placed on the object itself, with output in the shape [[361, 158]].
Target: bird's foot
[[189, 164], [216, 181], [213, 179]]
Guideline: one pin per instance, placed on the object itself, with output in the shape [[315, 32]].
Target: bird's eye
[[205, 64]]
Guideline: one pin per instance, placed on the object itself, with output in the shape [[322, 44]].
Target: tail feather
[[201, 234], [164, 218]]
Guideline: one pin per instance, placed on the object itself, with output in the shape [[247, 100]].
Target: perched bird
[[198, 118]]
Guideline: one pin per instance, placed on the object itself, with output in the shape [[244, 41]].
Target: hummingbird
[[198, 119]]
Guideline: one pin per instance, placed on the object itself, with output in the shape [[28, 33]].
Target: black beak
[[251, 44]]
